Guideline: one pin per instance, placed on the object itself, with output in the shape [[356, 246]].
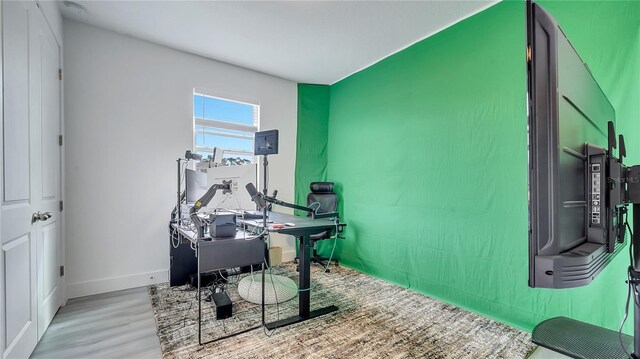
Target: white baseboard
[[81, 289]]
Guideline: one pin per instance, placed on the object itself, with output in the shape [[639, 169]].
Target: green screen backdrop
[[428, 150], [311, 143]]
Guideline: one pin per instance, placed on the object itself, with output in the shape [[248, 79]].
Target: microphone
[[256, 196]]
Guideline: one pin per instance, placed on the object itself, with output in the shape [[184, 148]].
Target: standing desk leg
[[304, 294]]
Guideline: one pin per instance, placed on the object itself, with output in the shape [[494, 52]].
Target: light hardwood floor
[[119, 325], [111, 325]]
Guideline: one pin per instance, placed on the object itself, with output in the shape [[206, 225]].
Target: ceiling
[[304, 41]]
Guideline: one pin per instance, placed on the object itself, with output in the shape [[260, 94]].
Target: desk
[[303, 229], [220, 254]]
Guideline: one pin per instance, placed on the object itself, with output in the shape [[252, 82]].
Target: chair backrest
[[322, 193]]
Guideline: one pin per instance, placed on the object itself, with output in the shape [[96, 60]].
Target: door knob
[[40, 217]]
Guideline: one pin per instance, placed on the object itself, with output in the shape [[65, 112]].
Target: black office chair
[[324, 200]]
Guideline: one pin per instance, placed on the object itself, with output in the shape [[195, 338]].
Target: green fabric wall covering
[[428, 152], [311, 148]]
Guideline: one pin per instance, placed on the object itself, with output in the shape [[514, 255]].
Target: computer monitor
[[573, 210], [240, 176], [195, 185]]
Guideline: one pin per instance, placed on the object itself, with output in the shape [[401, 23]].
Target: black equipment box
[[223, 225], [224, 308]]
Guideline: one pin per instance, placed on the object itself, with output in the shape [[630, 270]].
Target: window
[[224, 129]]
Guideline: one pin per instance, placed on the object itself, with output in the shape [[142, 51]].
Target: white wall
[[129, 115]]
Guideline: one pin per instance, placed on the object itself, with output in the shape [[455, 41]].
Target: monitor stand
[[581, 340]]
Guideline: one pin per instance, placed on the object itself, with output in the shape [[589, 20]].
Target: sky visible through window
[[221, 110], [209, 108]]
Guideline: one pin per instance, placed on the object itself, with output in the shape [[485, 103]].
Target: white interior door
[[30, 251], [18, 200], [44, 104]]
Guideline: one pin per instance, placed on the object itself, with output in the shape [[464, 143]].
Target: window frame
[[212, 125]]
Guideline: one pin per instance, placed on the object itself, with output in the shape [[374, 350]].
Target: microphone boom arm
[[261, 200], [289, 205]]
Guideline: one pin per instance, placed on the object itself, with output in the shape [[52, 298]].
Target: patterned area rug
[[375, 319]]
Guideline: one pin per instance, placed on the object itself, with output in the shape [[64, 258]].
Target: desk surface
[[306, 224], [300, 223]]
